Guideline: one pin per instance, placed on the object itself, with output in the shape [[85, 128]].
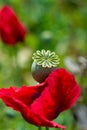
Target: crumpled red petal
[[42, 103]]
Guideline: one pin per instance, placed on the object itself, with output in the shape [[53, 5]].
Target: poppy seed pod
[[44, 63], [40, 73]]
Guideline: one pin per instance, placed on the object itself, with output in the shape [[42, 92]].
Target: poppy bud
[[11, 29], [44, 63]]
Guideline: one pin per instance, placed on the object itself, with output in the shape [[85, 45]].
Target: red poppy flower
[[11, 30], [42, 103]]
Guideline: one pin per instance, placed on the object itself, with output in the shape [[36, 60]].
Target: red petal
[[60, 93], [42, 103], [27, 113], [25, 94], [11, 30]]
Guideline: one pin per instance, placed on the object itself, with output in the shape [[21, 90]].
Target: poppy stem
[[39, 128], [47, 128]]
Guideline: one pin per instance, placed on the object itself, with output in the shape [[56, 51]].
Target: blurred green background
[[57, 25]]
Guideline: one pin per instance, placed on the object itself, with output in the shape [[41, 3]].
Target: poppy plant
[[42, 103], [11, 29]]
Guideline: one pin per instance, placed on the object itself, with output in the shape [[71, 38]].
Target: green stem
[[39, 128], [47, 128]]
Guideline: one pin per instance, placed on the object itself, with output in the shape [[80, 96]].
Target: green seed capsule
[[40, 73], [44, 63]]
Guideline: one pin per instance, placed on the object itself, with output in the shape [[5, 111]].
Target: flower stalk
[[47, 128], [39, 128]]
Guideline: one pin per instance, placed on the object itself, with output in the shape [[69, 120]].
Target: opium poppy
[[11, 29], [42, 103]]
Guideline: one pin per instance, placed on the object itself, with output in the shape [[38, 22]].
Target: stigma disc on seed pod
[[44, 63]]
